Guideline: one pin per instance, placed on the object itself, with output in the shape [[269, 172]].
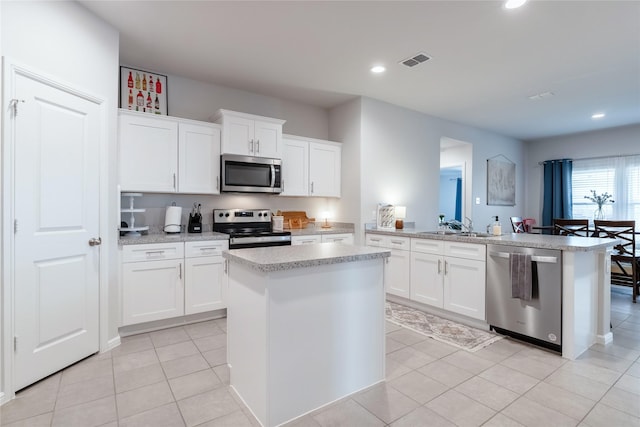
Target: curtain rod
[[594, 158]]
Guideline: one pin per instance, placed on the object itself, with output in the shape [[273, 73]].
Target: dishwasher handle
[[534, 258]]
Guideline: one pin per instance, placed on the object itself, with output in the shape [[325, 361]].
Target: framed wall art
[[501, 181], [143, 91]]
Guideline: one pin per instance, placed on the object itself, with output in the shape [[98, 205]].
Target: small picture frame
[[143, 91]]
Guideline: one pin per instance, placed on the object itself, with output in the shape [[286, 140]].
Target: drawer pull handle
[[149, 253], [209, 249]]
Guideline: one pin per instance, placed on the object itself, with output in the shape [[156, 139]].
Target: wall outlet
[[477, 200]]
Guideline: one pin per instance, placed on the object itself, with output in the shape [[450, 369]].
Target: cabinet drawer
[[344, 238], [306, 240], [376, 240], [401, 243], [427, 246], [152, 252], [465, 250], [205, 248]]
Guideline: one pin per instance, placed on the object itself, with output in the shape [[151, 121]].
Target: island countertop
[[277, 258], [540, 241]]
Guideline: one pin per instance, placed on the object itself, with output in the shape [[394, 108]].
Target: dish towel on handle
[[520, 271]]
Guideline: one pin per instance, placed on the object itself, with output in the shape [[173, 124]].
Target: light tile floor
[[178, 377]]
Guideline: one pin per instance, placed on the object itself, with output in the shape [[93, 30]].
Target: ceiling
[[485, 63]]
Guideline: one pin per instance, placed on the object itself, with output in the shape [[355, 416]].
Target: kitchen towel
[[520, 272]]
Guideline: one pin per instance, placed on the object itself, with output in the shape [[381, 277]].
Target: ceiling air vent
[[415, 60]]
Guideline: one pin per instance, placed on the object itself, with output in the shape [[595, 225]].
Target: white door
[[237, 135], [324, 170], [56, 205], [397, 277], [205, 288], [295, 168], [464, 287]]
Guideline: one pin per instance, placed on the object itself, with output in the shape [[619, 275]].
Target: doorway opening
[[455, 179]]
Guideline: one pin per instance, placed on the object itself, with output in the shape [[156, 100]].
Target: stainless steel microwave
[[246, 174]]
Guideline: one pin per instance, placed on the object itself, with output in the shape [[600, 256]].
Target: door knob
[[95, 241]]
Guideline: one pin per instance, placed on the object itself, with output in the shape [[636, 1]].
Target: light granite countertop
[[279, 258], [540, 241], [170, 237], [316, 228]]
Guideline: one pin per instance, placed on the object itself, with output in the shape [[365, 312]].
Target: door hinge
[[15, 226], [15, 344], [14, 105]]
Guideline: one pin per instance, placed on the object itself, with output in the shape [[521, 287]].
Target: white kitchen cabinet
[[309, 239], [199, 158], [343, 238], [449, 275], [324, 169], [397, 272], [167, 154], [295, 167], [206, 282], [250, 135], [311, 167], [152, 282], [148, 153]]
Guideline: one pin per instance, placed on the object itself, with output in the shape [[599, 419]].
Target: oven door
[[260, 241], [247, 174]]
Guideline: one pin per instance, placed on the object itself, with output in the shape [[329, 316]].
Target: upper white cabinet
[[199, 158], [311, 167], [168, 154], [295, 171], [148, 153], [324, 169], [250, 135]]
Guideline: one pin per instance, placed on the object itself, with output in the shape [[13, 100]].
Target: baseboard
[[112, 343], [142, 328]]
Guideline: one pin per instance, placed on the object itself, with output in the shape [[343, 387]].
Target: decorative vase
[[598, 213]]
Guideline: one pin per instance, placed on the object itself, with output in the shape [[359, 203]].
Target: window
[[619, 176]]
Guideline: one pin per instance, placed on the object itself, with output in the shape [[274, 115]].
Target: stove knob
[[220, 214], [227, 214], [259, 213]]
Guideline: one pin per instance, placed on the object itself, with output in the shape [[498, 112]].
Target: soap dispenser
[[496, 228]]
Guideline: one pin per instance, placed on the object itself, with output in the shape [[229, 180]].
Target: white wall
[[400, 156], [63, 40], [618, 141]]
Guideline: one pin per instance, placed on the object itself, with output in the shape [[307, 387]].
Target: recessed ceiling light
[[378, 69], [597, 116], [514, 4]]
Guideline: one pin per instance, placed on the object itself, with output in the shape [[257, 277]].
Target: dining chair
[[571, 227], [625, 258], [517, 224]]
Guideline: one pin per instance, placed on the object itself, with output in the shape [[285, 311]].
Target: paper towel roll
[[173, 219]]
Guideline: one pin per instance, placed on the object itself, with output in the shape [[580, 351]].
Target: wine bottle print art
[[143, 91]]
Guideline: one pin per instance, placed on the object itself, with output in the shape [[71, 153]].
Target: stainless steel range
[[248, 228]]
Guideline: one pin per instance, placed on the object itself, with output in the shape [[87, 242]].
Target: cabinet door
[[205, 287], [148, 154], [464, 287], [267, 139], [152, 290], [237, 135], [344, 238], [199, 159], [426, 278], [295, 168], [324, 170], [306, 240], [397, 273]]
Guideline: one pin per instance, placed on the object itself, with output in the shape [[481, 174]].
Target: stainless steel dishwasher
[[538, 320]]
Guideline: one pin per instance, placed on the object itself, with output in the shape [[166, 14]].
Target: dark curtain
[[557, 190], [458, 214]]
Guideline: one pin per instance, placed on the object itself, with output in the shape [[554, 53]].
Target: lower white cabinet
[[449, 275], [397, 268], [310, 239], [160, 281], [153, 282], [206, 285]]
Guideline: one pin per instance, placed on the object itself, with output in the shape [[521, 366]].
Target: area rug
[[456, 334]]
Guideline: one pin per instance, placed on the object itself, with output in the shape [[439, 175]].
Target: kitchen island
[[305, 326], [586, 285]]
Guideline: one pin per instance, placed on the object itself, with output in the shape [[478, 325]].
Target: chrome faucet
[[454, 224], [469, 226]]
